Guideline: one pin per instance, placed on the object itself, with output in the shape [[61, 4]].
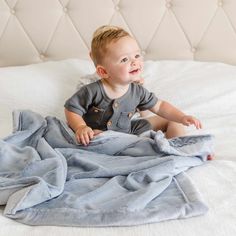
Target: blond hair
[[102, 37]]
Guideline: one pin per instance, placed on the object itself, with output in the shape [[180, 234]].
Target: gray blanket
[[47, 178]]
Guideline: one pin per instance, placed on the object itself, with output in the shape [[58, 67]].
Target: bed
[[42, 66]]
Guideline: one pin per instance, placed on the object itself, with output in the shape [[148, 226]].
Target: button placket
[[115, 104], [130, 115], [109, 123]]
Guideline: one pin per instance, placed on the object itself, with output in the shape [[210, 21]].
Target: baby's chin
[[136, 76], [137, 81]]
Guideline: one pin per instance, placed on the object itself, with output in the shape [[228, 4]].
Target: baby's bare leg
[[170, 128], [174, 130]]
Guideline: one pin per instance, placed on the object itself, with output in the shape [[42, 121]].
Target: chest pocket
[[124, 121], [95, 115]]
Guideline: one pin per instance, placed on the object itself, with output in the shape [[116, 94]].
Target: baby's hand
[[84, 134], [190, 120], [97, 131]]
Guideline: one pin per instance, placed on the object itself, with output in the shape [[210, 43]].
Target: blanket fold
[[47, 178]]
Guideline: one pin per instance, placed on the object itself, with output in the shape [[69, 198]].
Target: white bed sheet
[[207, 90]]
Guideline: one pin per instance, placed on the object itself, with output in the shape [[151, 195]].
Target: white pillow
[[204, 89], [87, 79], [42, 88]]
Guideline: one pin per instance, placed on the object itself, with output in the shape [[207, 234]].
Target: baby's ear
[[91, 56], [101, 71]]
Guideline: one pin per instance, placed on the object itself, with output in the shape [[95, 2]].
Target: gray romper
[[101, 112]]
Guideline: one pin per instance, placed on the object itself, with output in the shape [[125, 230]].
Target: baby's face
[[123, 61]]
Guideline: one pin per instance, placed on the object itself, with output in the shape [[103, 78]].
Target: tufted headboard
[[33, 31]]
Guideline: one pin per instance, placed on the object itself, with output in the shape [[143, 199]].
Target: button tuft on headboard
[[168, 5], [42, 56], [220, 4], [13, 12], [117, 7], [193, 49]]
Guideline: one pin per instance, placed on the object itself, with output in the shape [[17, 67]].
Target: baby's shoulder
[[94, 86]]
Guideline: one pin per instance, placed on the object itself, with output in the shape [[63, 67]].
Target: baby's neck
[[114, 91]]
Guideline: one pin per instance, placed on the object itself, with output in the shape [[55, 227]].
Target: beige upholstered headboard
[[33, 31]]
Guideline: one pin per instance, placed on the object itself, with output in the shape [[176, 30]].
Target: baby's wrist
[[182, 118], [80, 127]]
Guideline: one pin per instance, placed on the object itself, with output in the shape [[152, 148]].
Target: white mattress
[[207, 90]]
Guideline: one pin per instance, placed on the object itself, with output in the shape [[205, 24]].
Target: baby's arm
[[83, 132], [169, 112]]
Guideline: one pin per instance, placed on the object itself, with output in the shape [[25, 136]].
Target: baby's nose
[[134, 62]]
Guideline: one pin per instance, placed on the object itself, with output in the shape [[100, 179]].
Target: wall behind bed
[[33, 31]]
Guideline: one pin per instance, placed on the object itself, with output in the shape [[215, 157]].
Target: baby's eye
[[137, 55], [125, 59]]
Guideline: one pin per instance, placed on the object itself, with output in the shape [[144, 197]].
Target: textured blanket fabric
[[47, 178]]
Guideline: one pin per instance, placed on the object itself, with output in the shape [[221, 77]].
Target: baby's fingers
[[197, 124], [85, 139], [91, 134]]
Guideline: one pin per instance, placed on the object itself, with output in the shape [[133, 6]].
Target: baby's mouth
[[134, 71]]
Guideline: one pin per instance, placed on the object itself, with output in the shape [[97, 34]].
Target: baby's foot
[[210, 157]]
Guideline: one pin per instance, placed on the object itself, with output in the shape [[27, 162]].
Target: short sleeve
[[79, 102], [147, 99]]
